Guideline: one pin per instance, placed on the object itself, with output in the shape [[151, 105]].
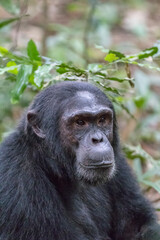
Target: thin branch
[[45, 32], [87, 30], [23, 12]]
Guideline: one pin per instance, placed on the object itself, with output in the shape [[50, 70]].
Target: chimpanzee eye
[[102, 119], [80, 122]]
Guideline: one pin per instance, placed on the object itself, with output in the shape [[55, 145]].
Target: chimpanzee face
[[86, 128]]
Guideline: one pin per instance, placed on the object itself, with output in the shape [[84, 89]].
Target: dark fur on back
[[40, 197]]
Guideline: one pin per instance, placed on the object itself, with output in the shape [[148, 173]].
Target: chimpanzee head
[[77, 119]]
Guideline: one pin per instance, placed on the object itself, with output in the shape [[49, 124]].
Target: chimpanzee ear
[[33, 122]]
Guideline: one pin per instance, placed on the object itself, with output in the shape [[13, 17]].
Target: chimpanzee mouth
[[97, 165]]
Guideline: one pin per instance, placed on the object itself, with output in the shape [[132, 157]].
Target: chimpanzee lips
[[97, 165]]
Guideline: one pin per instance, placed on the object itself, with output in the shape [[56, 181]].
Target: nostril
[[94, 140], [97, 140]]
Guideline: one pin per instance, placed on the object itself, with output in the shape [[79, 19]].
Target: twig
[[45, 22], [87, 30], [23, 11]]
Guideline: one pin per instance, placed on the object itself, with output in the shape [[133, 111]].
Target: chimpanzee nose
[[97, 138]]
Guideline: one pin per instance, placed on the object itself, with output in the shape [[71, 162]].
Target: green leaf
[[43, 72], [21, 82], [32, 51], [130, 80], [61, 70], [13, 57], [118, 54], [149, 52], [15, 70], [3, 51], [108, 89], [112, 89], [111, 57], [8, 21], [7, 69], [66, 68], [140, 101], [9, 6], [145, 65], [155, 185], [137, 152]]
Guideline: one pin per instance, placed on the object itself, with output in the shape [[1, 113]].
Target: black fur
[[40, 196]]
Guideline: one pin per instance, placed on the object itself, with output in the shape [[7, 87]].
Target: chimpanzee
[[63, 176]]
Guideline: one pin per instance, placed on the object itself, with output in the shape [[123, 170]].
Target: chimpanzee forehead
[[85, 98], [86, 95], [84, 101]]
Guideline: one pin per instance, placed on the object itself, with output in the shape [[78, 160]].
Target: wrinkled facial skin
[[87, 130]]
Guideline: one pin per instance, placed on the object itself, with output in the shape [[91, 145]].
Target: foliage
[[5, 22], [10, 6], [151, 176], [33, 70]]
